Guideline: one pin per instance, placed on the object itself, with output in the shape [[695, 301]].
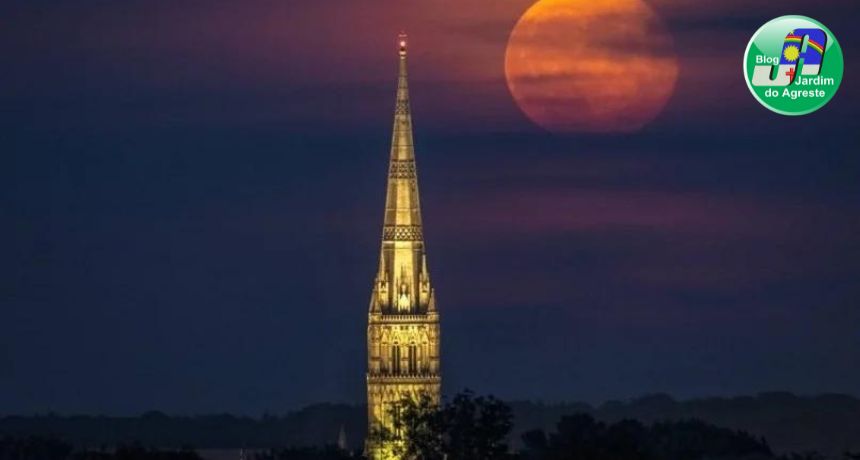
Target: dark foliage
[[315, 425], [306, 453], [466, 428], [582, 437], [825, 423], [34, 448], [475, 428], [136, 453]]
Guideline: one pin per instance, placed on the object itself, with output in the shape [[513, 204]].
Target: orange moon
[[590, 65]]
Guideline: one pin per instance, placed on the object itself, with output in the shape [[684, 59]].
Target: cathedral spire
[[402, 258], [401, 204], [401, 141], [403, 351]]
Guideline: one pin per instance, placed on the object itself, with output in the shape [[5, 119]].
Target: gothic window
[[395, 359], [413, 359], [395, 417]]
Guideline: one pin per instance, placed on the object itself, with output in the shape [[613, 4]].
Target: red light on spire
[[401, 42]]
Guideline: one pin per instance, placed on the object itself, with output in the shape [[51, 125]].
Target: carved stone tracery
[[402, 233]]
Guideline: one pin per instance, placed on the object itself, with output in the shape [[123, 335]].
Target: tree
[[477, 427], [466, 428], [304, 453], [580, 437], [422, 428]]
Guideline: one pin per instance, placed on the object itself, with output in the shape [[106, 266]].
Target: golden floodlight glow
[[403, 324]]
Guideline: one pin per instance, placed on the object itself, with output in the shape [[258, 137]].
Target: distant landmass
[[828, 423]]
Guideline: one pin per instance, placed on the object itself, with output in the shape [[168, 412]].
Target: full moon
[[590, 65]]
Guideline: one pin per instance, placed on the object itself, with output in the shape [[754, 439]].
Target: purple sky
[[192, 196]]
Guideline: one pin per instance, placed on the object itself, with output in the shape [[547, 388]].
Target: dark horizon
[[785, 423], [193, 199], [609, 403]]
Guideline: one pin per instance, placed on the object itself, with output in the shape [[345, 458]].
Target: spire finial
[[401, 43]]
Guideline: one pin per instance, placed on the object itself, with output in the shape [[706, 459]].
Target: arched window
[[395, 359], [413, 359], [395, 417]]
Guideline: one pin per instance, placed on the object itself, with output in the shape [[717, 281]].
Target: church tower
[[403, 324]]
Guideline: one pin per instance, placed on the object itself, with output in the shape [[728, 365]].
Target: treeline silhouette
[[308, 453], [582, 437], [315, 425], [477, 428], [35, 448], [829, 424]]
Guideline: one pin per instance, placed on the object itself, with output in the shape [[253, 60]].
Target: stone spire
[[402, 259], [403, 351], [341, 440]]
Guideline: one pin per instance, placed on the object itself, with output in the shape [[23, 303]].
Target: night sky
[[191, 202]]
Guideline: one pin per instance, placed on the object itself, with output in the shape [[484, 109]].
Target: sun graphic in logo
[[791, 53]]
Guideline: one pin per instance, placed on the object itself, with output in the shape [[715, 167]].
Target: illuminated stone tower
[[403, 324]]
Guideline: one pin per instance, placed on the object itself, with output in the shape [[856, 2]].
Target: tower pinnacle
[[403, 259], [401, 41], [403, 322]]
